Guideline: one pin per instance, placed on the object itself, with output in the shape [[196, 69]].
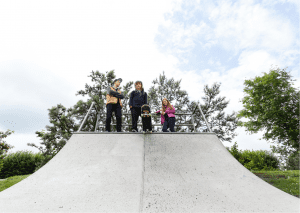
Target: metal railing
[[86, 116], [155, 124], [139, 124]]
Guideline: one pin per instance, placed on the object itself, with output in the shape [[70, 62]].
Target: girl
[[137, 99], [167, 115]]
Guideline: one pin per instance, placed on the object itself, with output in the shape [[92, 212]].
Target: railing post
[[204, 117], [86, 116], [97, 125], [193, 123]]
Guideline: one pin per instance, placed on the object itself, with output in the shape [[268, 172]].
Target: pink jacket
[[169, 112]]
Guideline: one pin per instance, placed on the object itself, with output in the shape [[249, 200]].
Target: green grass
[[11, 181], [287, 181]]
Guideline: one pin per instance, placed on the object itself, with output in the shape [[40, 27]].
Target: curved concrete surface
[[132, 172]]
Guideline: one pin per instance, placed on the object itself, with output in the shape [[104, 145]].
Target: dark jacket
[[138, 99]]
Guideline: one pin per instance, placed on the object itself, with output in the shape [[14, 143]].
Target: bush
[[255, 160], [292, 162], [260, 160], [1, 163], [43, 162], [20, 163]]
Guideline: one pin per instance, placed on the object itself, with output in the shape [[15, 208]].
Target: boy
[[114, 104]]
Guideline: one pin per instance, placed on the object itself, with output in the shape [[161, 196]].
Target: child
[[114, 104], [146, 119], [138, 98], [167, 115]]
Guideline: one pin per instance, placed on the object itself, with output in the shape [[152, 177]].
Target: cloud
[[250, 64], [274, 2], [235, 26], [244, 25], [255, 34], [49, 49], [86, 36], [27, 84], [19, 141], [181, 37]]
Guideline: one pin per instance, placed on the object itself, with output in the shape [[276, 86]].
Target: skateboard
[[146, 119], [147, 131]]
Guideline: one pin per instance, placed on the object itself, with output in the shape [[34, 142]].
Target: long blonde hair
[[168, 105]]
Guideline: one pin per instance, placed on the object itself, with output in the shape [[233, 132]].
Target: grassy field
[[287, 181]]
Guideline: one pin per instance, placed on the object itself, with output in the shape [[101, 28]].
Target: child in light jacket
[[167, 115]]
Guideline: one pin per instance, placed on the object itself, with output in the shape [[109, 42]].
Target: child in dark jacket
[[137, 99], [167, 115]]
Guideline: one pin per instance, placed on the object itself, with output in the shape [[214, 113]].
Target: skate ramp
[[134, 172]]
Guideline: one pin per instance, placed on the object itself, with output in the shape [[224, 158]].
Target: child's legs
[[172, 124], [108, 116], [118, 114], [135, 113], [165, 127]]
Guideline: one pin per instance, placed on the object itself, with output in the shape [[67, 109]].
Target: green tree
[[220, 124], [213, 110], [170, 89], [58, 134], [272, 103], [4, 147], [66, 121], [97, 93]]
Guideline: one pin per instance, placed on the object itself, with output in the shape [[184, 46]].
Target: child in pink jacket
[[167, 115]]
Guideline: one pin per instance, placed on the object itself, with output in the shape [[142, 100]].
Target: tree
[[58, 134], [97, 93], [272, 103], [171, 90], [4, 147], [65, 121], [213, 110]]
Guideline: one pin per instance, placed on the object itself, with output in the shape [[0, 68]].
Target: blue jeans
[[169, 122]]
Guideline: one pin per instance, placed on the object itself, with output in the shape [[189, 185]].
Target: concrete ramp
[[132, 172]]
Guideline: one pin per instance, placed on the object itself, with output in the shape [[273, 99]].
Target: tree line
[[270, 103]]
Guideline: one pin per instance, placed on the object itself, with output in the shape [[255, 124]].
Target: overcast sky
[[48, 49]]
